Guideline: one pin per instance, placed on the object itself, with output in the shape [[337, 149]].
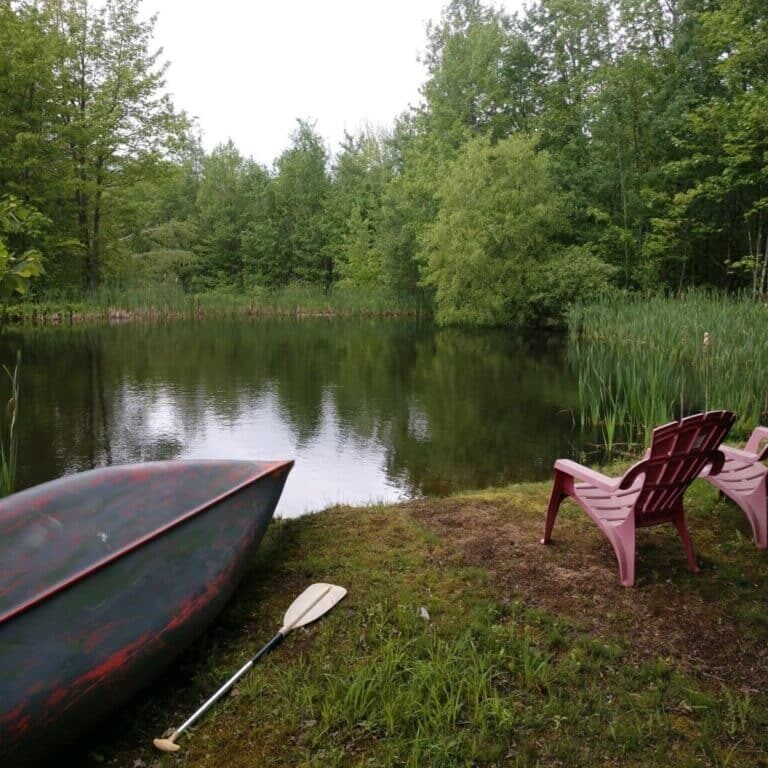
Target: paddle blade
[[315, 601]]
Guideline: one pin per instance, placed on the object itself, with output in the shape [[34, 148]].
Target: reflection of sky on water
[[369, 410], [333, 466]]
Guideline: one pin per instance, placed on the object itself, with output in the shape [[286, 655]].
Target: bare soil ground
[[696, 621]]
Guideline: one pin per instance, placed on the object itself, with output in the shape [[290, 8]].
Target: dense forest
[[579, 147]]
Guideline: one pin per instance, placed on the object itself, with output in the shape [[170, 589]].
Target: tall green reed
[[9, 443], [642, 362]]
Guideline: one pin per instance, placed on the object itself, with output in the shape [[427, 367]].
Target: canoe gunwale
[[269, 469]]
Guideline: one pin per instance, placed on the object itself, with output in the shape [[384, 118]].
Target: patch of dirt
[[576, 576]]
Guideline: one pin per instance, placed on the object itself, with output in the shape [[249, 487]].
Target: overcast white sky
[[247, 69]]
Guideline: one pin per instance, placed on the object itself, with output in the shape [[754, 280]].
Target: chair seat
[[741, 476], [611, 508]]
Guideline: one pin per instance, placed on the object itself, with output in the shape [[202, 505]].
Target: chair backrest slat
[[679, 452]]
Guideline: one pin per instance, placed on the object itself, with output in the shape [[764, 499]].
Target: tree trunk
[[81, 199], [94, 246], [764, 278]]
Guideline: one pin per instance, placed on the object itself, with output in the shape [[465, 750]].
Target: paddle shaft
[[271, 645]]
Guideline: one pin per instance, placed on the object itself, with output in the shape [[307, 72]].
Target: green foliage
[[574, 276], [498, 219], [480, 75], [155, 293], [300, 188], [408, 205], [358, 261], [18, 224], [284, 239], [652, 116], [719, 184], [83, 90], [362, 173], [157, 230], [226, 180]]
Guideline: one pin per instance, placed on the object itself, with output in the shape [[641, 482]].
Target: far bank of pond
[[168, 301], [381, 409]]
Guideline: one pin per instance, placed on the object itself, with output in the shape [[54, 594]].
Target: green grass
[[169, 300], [530, 656], [643, 362]]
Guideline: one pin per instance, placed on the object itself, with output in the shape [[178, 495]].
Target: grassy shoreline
[[530, 655], [170, 302]]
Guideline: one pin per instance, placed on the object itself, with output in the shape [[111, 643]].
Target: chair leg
[[560, 487], [622, 540], [755, 507], [682, 531], [753, 503]]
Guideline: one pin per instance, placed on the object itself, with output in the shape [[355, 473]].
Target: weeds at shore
[[641, 363], [170, 301]]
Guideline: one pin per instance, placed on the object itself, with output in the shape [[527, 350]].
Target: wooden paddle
[[314, 602]]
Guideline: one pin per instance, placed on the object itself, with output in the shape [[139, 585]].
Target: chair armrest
[[738, 454], [580, 472], [758, 435], [717, 458], [630, 476]]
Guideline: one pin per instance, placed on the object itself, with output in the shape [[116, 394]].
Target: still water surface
[[371, 410]]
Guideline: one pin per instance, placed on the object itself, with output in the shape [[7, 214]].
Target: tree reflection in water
[[370, 409]]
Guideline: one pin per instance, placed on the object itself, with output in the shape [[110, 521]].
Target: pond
[[370, 409]]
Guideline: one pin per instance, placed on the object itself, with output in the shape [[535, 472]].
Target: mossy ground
[[530, 656]]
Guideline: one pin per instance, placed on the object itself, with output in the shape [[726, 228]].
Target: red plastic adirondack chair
[[744, 479], [650, 492]]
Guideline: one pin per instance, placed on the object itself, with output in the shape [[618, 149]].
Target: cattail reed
[[643, 362]]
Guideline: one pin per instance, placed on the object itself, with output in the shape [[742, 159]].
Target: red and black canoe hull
[[107, 575]]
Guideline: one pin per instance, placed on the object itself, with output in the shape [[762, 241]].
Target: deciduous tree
[[499, 217]]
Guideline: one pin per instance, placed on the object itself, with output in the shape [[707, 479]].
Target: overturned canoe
[[106, 575]]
